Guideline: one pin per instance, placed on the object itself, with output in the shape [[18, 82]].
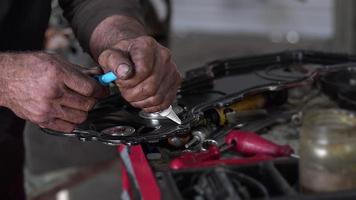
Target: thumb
[[118, 62]]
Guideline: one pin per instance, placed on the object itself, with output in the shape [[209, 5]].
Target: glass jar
[[328, 151]]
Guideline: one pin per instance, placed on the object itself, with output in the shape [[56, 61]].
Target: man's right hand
[[47, 90]]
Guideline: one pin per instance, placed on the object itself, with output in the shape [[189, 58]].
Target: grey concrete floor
[[189, 51]]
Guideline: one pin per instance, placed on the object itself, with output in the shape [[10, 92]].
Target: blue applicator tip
[[107, 78]]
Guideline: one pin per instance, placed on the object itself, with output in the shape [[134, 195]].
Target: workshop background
[[200, 31]]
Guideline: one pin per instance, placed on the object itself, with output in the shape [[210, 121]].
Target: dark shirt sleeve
[[85, 15]]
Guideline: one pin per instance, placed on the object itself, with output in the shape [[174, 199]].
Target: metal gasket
[[106, 115], [144, 132]]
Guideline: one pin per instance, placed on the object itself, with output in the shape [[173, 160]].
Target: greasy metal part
[[147, 115], [153, 130], [175, 141], [199, 135], [278, 86], [119, 131], [296, 119], [242, 116], [230, 99], [196, 114], [178, 141], [194, 140], [226, 67], [249, 103], [207, 143], [176, 108], [152, 137], [191, 118]]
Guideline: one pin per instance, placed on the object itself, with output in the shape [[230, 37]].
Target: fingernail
[[123, 71]]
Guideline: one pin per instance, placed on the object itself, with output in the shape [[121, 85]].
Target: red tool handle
[[250, 143], [193, 158], [233, 161]]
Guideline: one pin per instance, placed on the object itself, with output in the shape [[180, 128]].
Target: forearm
[[4, 63], [12, 67], [112, 30], [85, 15], [8, 67]]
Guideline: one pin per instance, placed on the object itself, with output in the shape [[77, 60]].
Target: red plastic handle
[[193, 158], [233, 161], [250, 143]]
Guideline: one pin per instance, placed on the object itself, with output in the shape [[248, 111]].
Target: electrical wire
[[208, 185]]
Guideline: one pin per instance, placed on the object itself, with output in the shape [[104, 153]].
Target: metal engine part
[[119, 131], [151, 128]]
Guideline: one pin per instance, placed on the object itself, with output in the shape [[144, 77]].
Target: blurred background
[[197, 32]]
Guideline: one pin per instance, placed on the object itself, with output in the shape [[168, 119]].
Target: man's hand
[[147, 77], [47, 90]]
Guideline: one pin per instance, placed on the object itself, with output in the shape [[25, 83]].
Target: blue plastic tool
[[106, 79]]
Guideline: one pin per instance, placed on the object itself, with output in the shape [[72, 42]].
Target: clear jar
[[328, 151]]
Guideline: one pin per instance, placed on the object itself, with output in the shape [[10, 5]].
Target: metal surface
[[108, 77], [150, 128], [119, 131], [176, 108]]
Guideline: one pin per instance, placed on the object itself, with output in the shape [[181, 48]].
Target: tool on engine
[[199, 135], [189, 159], [250, 144], [246, 143], [178, 141], [220, 115], [212, 157], [107, 78]]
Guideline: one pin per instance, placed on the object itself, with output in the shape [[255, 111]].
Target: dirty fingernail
[[123, 71]]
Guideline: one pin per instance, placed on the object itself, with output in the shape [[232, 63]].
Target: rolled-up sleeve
[[85, 15]]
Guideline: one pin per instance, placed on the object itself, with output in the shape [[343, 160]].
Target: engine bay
[[219, 103]]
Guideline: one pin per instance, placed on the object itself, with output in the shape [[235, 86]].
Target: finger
[[169, 99], [143, 56], [71, 115], [149, 87], [92, 71], [118, 62], [156, 103], [144, 90], [84, 85], [165, 93], [58, 125], [76, 101]]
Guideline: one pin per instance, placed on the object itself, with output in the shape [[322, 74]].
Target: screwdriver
[[107, 78], [250, 144]]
